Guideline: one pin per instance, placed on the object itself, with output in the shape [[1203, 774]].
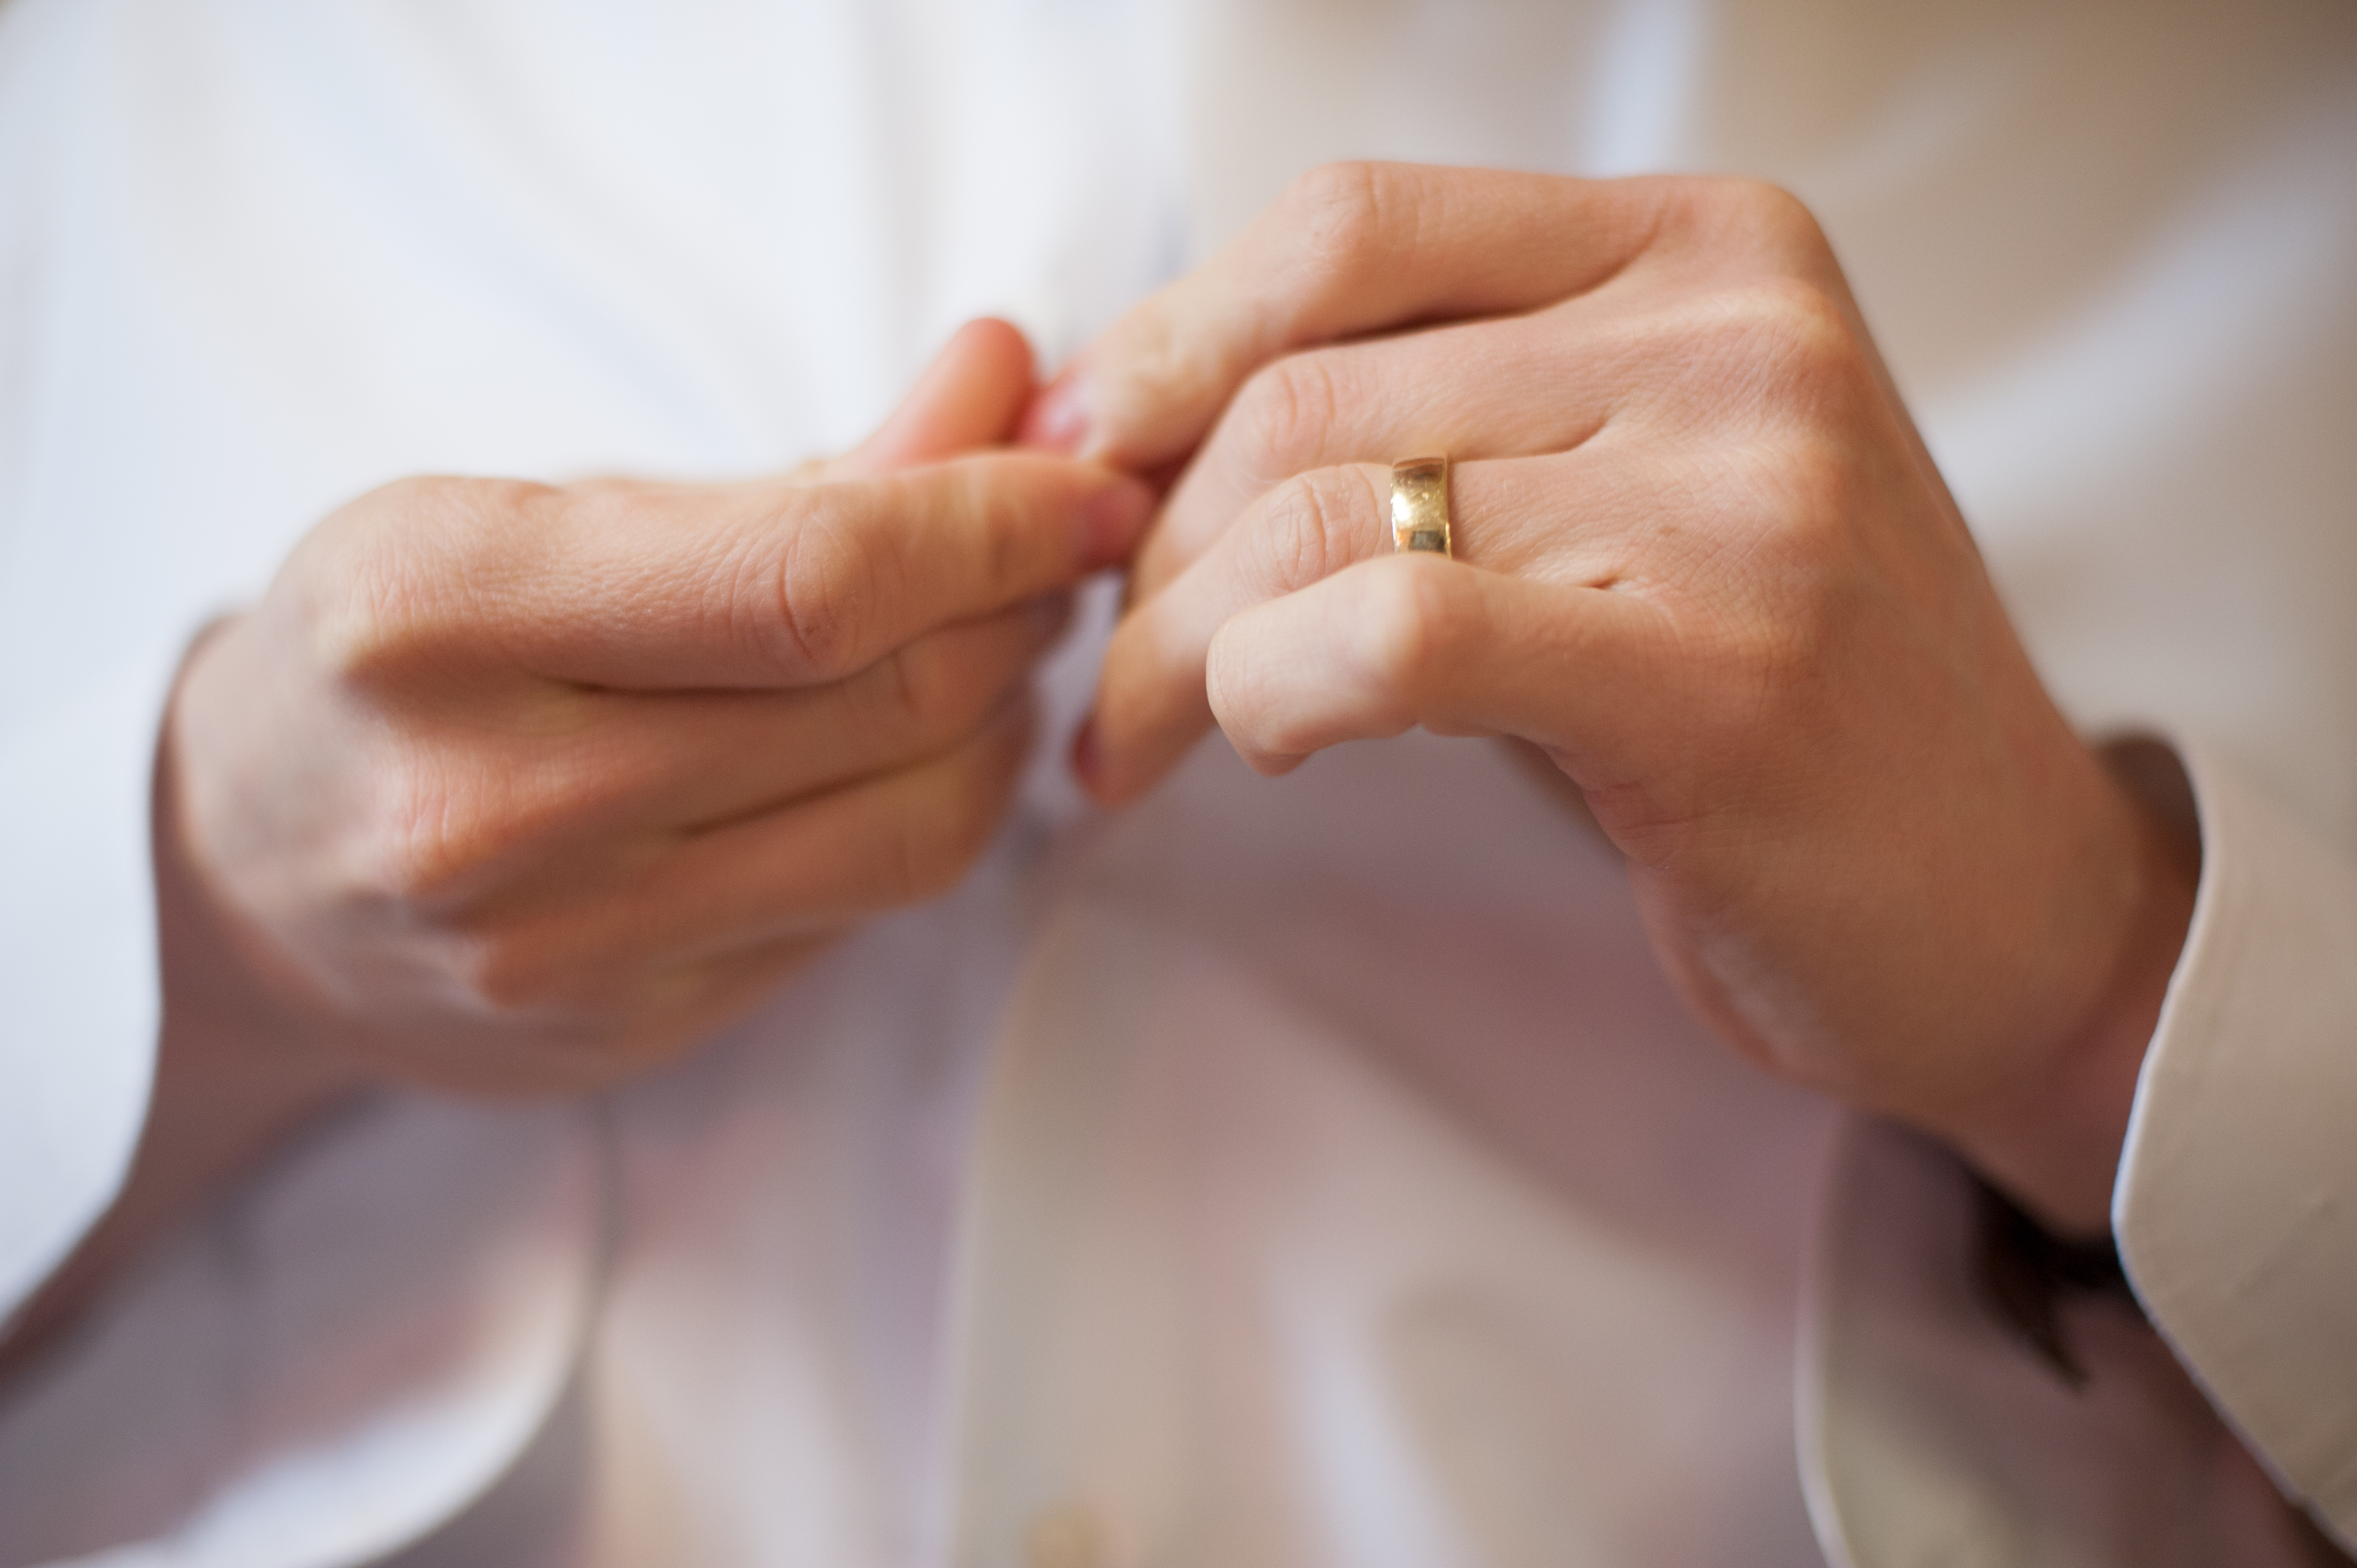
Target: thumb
[[970, 396]]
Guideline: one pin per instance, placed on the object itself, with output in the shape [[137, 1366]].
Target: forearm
[[2056, 1148]]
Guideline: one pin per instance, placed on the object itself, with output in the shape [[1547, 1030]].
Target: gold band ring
[[1420, 506]]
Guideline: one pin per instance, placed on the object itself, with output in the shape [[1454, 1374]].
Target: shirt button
[[1067, 1536]]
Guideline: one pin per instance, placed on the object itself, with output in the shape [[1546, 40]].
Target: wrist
[[2056, 1149]]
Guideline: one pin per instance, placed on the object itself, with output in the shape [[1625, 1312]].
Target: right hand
[[507, 790], [1711, 572]]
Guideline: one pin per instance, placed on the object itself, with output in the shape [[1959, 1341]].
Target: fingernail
[[1057, 419], [1111, 522]]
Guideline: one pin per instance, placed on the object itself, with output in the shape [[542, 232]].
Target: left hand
[[1705, 562]]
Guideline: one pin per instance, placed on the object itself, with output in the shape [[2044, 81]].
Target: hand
[[1703, 561], [509, 788]]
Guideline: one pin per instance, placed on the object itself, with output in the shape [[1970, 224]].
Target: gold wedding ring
[[1420, 506]]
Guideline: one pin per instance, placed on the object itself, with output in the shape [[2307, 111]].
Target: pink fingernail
[[1111, 522], [1057, 419]]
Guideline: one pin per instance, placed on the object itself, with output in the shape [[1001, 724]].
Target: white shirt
[[1138, 1203]]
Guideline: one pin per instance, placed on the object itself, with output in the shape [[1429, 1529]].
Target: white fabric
[[2233, 1215], [1455, 1250], [327, 1367], [1279, 1225], [1929, 1436], [79, 968]]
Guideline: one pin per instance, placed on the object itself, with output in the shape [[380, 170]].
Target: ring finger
[[1516, 387], [1563, 518]]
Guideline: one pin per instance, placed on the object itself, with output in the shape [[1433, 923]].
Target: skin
[[1706, 565], [512, 791]]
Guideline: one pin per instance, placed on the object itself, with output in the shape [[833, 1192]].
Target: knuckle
[[1334, 197], [434, 836], [450, 821], [1794, 350], [1285, 412], [1760, 217], [1816, 336], [818, 598], [1152, 355], [1304, 526], [390, 583], [1778, 212], [1795, 320], [1344, 214]]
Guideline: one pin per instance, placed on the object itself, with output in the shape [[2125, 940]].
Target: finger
[[892, 841], [603, 1023], [1536, 384], [680, 1005], [611, 767], [1150, 707], [1351, 249], [1562, 519], [582, 951], [968, 398], [772, 586], [703, 760], [1418, 640]]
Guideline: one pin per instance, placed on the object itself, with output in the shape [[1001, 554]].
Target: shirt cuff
[[337, 1359], [79, 998], [2236, 1202], [1931, 1429]]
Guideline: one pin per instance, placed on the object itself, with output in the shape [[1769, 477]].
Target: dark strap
[[2026, 1271]]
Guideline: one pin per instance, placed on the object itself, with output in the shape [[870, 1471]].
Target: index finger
[[785, 585], [1350, 248]]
